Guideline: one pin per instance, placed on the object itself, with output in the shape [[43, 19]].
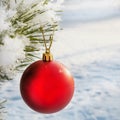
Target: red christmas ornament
[[46, 85]]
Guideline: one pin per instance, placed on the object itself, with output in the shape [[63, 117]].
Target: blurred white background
[[89, 45]]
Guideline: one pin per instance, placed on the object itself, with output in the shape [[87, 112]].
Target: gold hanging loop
[[47, 56]]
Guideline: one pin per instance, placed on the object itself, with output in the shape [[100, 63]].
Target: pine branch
[[2, 109], [23, 24]]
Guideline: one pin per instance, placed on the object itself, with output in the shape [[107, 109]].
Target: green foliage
[[2, 109], [22, 24]]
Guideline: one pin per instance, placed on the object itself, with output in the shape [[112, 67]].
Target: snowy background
[[89, 45]]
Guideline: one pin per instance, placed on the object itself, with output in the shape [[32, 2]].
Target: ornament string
[[47, 48], [47, 56]]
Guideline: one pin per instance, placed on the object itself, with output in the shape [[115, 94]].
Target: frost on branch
[[20, 37]]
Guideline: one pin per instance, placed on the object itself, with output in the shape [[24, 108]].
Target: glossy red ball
[[47, 87]]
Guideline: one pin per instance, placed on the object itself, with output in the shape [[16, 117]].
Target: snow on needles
[[12, 45]]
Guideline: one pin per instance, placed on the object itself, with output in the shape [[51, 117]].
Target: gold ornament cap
[[47, 57]]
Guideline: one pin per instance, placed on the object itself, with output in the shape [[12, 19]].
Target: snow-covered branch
[[20, 36]]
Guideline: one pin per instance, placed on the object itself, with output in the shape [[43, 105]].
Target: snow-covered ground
[[89, 46]]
